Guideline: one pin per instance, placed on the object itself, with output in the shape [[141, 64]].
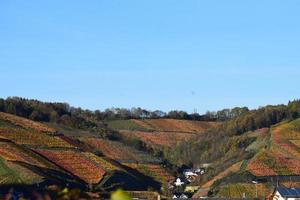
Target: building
[[178, 182], [282, 193]]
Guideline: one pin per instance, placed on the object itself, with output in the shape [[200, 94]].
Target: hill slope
[[282, 157], [274, 155], [32, 152]]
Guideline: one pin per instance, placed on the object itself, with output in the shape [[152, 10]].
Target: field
[[118, 151], [25, 123], [243, 190], [282, 157], [75, 163]]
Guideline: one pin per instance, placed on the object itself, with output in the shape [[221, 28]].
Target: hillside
[[275, 156], [160, 133], [32, 152], [96, 153], [282, 155], [161, 125]]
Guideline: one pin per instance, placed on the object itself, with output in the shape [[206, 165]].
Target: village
[[181, 187]]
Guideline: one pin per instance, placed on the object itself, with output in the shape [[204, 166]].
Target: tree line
[[78, 117]]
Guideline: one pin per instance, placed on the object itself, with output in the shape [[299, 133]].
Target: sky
[[155, 54]]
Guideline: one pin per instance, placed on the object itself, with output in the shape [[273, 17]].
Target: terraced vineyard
[[154, 171], [31, 152], [108, 166], [162, 125], [158, 134], [27, 147], [11, 152], [174, 125], [25, 123], [163, 139], [259, 166], [118, 151], [76, 163], [283, 155], [32, 138]]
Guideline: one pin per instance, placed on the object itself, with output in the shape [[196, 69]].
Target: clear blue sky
[[157, 54]]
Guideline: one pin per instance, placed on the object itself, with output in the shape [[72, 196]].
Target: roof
[[289, 192]]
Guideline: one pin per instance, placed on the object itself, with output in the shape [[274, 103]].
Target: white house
[[178, 182], [189, 173], [183, 196], [282, 193], [180, 196]]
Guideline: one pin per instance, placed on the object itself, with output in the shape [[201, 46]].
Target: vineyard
[[75, 163], [243, 190], [283, 156], [173, 125], [102, 162], [10, 152], [164, 139], [296, 143], [29, 137], [154, 171], [258, 165], [30, 152], [25, 123], [164, 125], [118, 151], [26, 145], [126, 125]]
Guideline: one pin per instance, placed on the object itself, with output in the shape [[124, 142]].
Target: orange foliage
[[75, 163], [21, 136], [158, 138], [111, 149], [26, 123], [155, 171], [174, 125], [11, 153]]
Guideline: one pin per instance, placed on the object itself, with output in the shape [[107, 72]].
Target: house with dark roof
[[282, 193]]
